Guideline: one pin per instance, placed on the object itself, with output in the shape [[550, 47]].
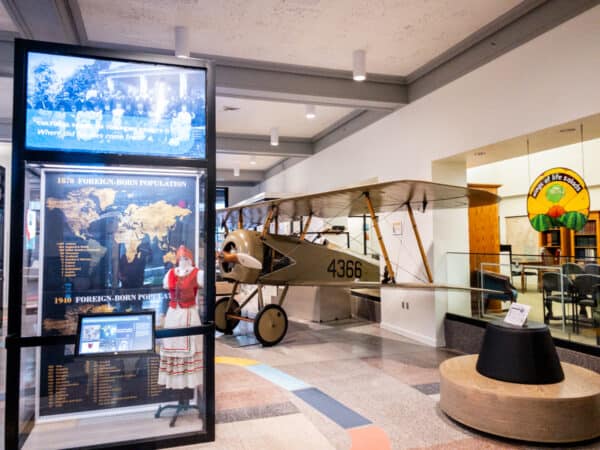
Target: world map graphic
[[85, 206]]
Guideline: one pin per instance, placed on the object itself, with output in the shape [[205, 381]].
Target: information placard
[[517, 314]]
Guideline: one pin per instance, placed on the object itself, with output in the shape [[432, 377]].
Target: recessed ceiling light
[[236, 172], [311, 112]]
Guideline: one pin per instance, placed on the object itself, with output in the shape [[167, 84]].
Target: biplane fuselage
[[288, 258]]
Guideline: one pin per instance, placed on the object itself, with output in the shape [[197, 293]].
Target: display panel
[[121, 401], [115, 334], [109, 237], [114, 107]]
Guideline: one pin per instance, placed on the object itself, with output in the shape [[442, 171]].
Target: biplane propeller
[[262, 258]]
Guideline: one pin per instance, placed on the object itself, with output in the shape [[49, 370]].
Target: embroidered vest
[[183, 289]]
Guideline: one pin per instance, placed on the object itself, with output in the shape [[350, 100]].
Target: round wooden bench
[[568, 411]]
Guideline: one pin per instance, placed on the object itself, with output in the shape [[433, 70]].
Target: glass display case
[[110, 336]]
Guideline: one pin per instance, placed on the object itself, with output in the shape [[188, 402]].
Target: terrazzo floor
[[348, 385], [345, 385]]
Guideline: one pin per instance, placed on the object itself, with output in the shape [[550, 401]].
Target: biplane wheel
[[222, 323], [270, 325]]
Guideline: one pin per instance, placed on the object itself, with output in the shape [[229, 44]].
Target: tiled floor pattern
[[349, 385], [362, 432], [322, 375]]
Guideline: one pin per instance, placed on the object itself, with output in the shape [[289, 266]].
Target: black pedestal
[[519, 354]]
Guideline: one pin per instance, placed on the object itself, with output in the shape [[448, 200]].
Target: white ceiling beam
[[47, 20], [243, 78], [237, 144], [279, 84], [248, 177]]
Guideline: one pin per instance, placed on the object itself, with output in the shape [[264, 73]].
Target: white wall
[[550, 80]]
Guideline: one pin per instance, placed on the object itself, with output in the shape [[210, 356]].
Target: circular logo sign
[[558, 198]]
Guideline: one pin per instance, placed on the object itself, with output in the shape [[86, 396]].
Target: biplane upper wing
[[385, 197]]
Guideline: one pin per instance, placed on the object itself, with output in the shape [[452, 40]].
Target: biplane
[[263, 258]]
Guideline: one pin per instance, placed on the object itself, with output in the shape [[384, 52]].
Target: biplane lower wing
[[401, 285]]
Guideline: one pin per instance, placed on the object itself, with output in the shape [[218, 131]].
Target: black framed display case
[[113, 194]]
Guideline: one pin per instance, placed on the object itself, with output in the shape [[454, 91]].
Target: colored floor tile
[[278, 377], [334, 410], [369, 438], [428, 389]]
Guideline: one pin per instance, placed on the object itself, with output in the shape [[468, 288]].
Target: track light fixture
[[182, 42], [311, 112], [274, 136], [359, 65]]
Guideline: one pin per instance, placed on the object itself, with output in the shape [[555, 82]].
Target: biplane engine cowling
[[242, 241]]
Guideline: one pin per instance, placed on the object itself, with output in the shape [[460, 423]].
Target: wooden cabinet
[[584, 243], [556, 242], [579, 246], [484, 243], [484, 232]]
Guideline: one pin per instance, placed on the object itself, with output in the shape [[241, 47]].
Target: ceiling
[[273, 57], [569, 133], [246, 162], [6, 24], [259, 116], [398, 35]]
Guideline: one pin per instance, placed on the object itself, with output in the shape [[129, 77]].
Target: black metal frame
[[14, 339]]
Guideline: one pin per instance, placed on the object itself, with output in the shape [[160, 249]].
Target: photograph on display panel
[[110, 239], [107, 106]]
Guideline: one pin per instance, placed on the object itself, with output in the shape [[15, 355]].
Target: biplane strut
[[419, 242], [388, 264], [386, 258]]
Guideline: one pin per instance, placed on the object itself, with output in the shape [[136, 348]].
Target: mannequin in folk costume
[[181, 357]]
